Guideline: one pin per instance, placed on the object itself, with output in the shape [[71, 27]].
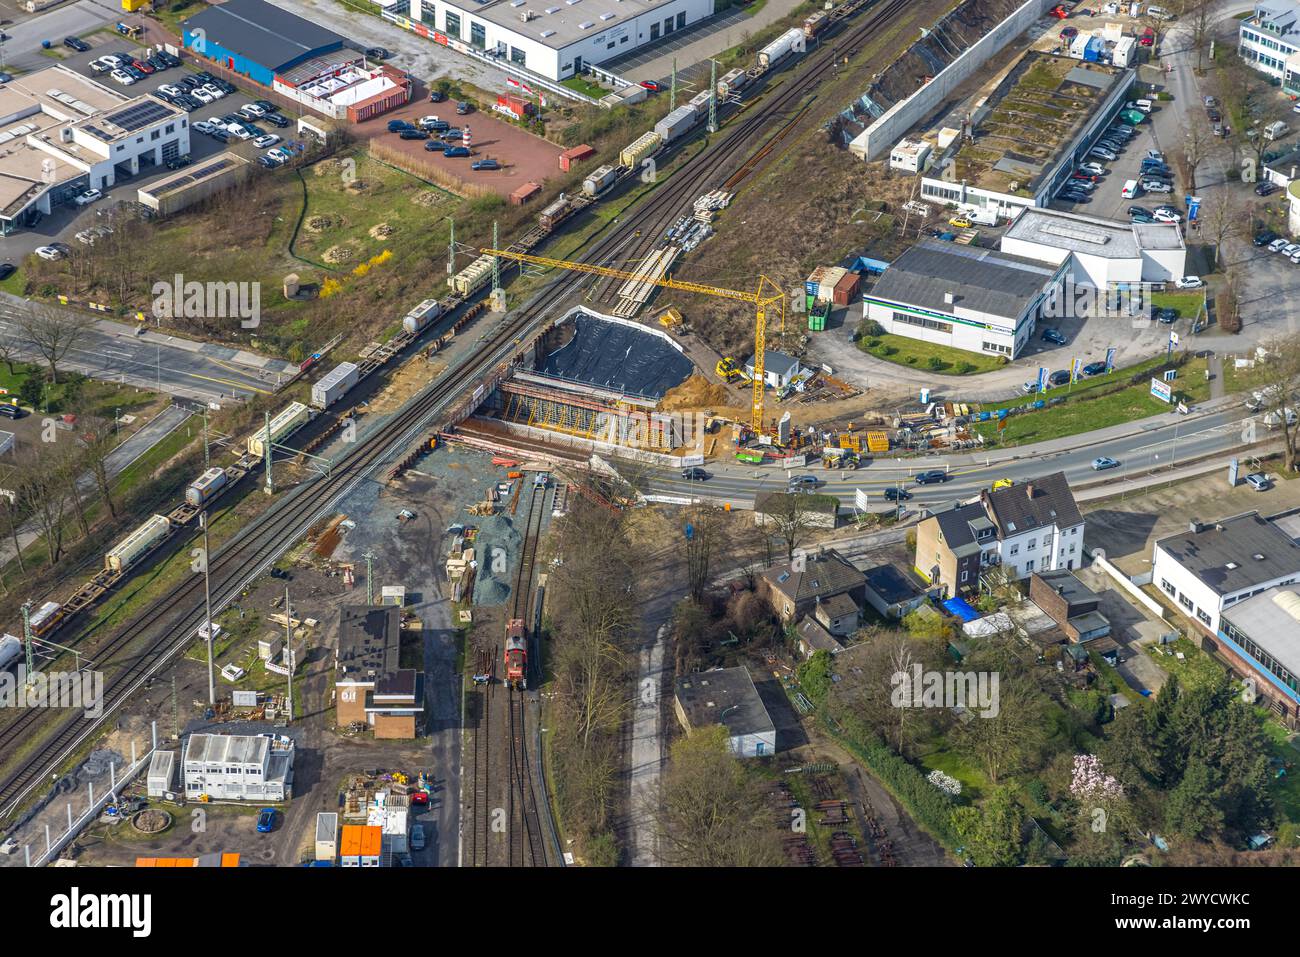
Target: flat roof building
[[557, 38], [727, 696], [979, 300], [1260, 637], [371, 689], [1102, 253], [238, 767], [1214, 565]]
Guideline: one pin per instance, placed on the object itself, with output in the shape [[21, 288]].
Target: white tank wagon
[[290, 419], [206, 487], [138, 544], [11, 650], [421, 316]]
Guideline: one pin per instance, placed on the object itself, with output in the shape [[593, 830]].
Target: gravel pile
[[493, 587]]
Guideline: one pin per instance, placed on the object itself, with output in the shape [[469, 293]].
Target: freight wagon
[[700, 102], [11, 649], [677, 122], [792, 41], [138, 544], [421, 316], [473, 277], [294, 416], [335, 383], [732, 82], [600, 180], [639, 149], [46, 618], [815, 24], [556, 213], [206, 487]]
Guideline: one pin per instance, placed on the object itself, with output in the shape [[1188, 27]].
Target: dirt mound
[[381, 231], [428, 198], [332, 167], [318, 224], [497, 549], [696, 392], [343, 252]]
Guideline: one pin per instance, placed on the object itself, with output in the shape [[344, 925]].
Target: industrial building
[[1260, 638], [296, 58], [370, 688], [64, 133], [1102, 253], [1211, 566], [1024, 141], [195, 183], [980, 300], [556, 38], [238, 767], [726, 696], [1269, 40]]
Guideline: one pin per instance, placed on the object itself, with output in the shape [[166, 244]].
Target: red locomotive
[[516, 655]]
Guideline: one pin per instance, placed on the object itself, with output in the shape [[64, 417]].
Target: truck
[[334, 384], [138, 544], [206, 487], [981, 215], [421, 316], [1275, 131]]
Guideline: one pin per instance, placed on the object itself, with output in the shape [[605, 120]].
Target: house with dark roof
[[726, 696], [811, 637], [1026, 527], [979, 300], [370, 687], [1070, 603], [827, 578], [1211, 566], [891, 591]]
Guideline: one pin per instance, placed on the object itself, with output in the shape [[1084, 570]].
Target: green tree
[[991, 832], [32, 390], [1192, 809], [815, 676]]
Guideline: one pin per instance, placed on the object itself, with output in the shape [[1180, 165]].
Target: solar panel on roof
[[140, 115]]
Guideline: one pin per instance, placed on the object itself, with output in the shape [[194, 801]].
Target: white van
[[1131, 189], [1159, 13], [1275, 131]]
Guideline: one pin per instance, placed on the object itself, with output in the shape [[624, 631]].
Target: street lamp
[[207, 599], [116, 413]]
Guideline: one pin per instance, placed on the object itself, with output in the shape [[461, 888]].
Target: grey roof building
[[942, 276], [726, 696], [795, 588], [1235, 553], [259, 32], [1262, 635]]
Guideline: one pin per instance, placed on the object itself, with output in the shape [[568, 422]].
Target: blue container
[[984, 416]]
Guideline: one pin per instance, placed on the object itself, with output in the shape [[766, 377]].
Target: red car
[[651, 85], [1087, 177], [142, 66]]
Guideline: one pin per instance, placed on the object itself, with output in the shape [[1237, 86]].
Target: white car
[[1275, 418], [203, 126], [1093, 169], [121, 76], [280, 153], [238, 132], [1167, 216], [201, 94], [1189, 282], [252, 109], [49, 253], [1290, 249], [170, 90], [1102, 152], [213, 91], [1156, 186], [101, 65], [266, 142], [88, 197], [1277, 245]]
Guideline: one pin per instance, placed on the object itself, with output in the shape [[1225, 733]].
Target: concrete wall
[[881, 135]]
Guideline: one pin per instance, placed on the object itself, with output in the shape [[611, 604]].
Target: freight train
[[291, 418], [11, 650], [516, 659]]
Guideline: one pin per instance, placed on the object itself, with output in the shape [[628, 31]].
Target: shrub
[[935, 363], [965, 368]]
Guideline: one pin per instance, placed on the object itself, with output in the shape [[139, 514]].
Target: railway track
[[481, 829], [160, 630]]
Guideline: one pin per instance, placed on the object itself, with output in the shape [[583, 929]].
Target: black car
[[413, 134], [463, 108], [933, 477], [76, 43], [897, 495], [7, 270], [378, 53], [1165, 315], [156, 62], [275, 119], [221, 136], [1059, 377], [168, 59], [204, 76], [266, 105], [1264, 238], [695, 474], [225, 86], [180, 162], [437, 96], [11, 411], [267, 162], [1265, 188], [1139, 211], [396, 126], [435, 146], [134, 72], [1094, 368], [187, 102]]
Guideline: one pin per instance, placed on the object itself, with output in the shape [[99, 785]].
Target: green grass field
[[915, 354]]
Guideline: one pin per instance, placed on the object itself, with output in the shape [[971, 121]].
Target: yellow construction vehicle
[[672, 319], [728, 369], [767, 296], [1002, 483]]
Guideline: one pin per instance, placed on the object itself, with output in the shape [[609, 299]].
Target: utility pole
[[27, 639], [713, 96], [206, 464], [290, 659], [207, 600], [269, 488], [176, 712], [672, 88], [451, 248], [369, 556]]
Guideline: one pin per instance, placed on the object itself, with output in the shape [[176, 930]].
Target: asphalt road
[[1145, 446], [112, 352]]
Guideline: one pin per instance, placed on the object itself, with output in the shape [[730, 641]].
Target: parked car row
[[128, 70]]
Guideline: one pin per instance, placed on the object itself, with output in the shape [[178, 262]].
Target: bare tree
[[704, 525], [98, 436], [54, 332], [789, 513], [10, 350], [1279, 373], [1197, 14], [1224, 217], [1195, 146]]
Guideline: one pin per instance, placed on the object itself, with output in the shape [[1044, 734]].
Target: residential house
[[778, 369], [811, 637], [891, 591], [1026, 527], [797, 588]]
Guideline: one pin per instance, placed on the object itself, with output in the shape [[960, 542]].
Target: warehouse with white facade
[[1102, 253], [1212, 566], [557, 38], [1269, 39], [979, 300]]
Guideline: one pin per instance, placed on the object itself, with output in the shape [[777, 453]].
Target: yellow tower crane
[[767, 295]]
